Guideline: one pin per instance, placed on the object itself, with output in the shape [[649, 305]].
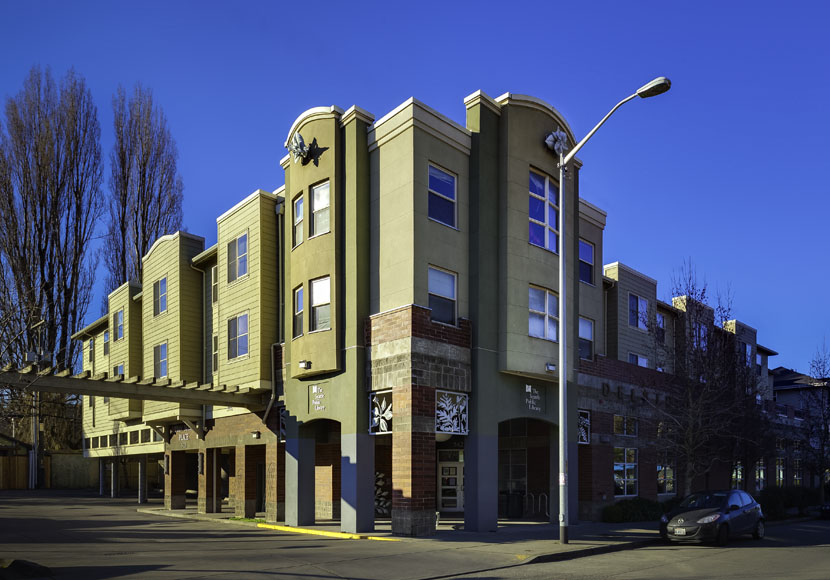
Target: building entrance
[[450, 480]]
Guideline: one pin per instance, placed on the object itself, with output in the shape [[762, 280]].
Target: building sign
[[316, 399], [534, 399], [380, 413], [451, 412], [584, 427]]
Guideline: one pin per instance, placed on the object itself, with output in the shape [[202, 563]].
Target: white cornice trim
[[630, 270], [285, 161], [480, 97], [170, 237], [539, 105], [305, 116], [592, 213], [256, 194], [413, 113], [355, 112]]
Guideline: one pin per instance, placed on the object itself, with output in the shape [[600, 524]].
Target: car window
[[734, 499], [703, 500], [747, 499]]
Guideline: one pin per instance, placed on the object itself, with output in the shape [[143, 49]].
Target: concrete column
[[275, 482], [413, 461], [299, 478], [207, 499], [247, 458], [102, 468], [175, 482], [481, 473], [357, 482], [142, 478], [113, 478]]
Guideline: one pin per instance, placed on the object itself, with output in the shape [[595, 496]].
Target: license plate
[[679, 531]]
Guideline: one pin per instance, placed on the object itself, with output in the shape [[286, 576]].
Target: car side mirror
[[734, 507]]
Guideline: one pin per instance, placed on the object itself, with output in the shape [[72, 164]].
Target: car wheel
[[723, 535], [758, 532]]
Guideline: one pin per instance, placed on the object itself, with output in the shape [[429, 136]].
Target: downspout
[[204, 329], [279, 210]]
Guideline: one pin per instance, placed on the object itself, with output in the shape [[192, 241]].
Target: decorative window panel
[[584, 427], [380, 413], [451, 413]]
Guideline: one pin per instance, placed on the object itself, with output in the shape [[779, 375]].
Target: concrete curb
[[592, 551]]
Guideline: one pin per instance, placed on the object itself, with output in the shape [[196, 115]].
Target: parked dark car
[[825, 511], [714, 515]]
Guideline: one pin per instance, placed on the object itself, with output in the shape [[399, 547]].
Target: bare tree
[[711, 396], [816, 417], [145, 187], [50, 199]]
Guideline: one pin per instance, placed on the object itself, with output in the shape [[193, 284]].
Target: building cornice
[[311, 114], [255, 195], [413, 113], [483, 99], [592, 213], [356, 113]]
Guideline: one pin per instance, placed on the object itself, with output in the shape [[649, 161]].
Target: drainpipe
[[279, 210]]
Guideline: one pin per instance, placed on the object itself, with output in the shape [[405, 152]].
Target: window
[[441, 196], [760, 475], [118, 370], [737, 475], [106, 342], [796, 445], [748, 354], [586, 262], [214, 284], [759, 363], [661, 328], [92, 350], [160, 360], [779, 471], [320, 304], [215, 367], [118, 324], [238, 257], [320, 209], [543, 211], [798, 473], [638, 360], [298, 311], [442, 295], [665, 475], [584, 427], [637, 312], [586, 338], [237, 336], [298, 221], [625, 425], [700, 335], [625, 471], [543, 318], [160, 296]]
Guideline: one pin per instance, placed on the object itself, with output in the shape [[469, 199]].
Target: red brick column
[[275, 482], [247, 458], [207, 483], [175, 482], [413, 461]]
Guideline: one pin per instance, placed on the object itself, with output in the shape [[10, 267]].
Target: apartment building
[[394, 306]]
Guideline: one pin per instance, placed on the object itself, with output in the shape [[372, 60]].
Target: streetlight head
[[656, 87]]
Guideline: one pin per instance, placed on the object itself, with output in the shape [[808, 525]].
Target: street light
[[558, 141]]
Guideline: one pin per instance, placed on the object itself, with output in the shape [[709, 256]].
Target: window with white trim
[[442, 295], [160, 296], [118, 370], [238, 336], [624, 425], [760, 474], [586, 338], [441, 196], [586, 262], [160, 360], [638, 360], [214, 284], [215, 361], [238, 257], [543, 314], [298, 221], [320, 304], [625, 471], [91, 350], [637, 312], [106, 342], [298, 311], [665, 475], [660, 331], [737, 481], [320, 203], [543, 211]]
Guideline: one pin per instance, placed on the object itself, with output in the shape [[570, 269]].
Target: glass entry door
[[450, 486]]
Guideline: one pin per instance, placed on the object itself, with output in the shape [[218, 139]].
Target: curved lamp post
[[558, 141]]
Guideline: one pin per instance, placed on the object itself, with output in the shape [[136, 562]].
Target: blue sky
[[727, 169]]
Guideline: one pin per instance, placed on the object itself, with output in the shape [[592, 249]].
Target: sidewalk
[[519, 542]]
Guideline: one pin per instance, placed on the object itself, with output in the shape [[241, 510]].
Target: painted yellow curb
[[341, 535]]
